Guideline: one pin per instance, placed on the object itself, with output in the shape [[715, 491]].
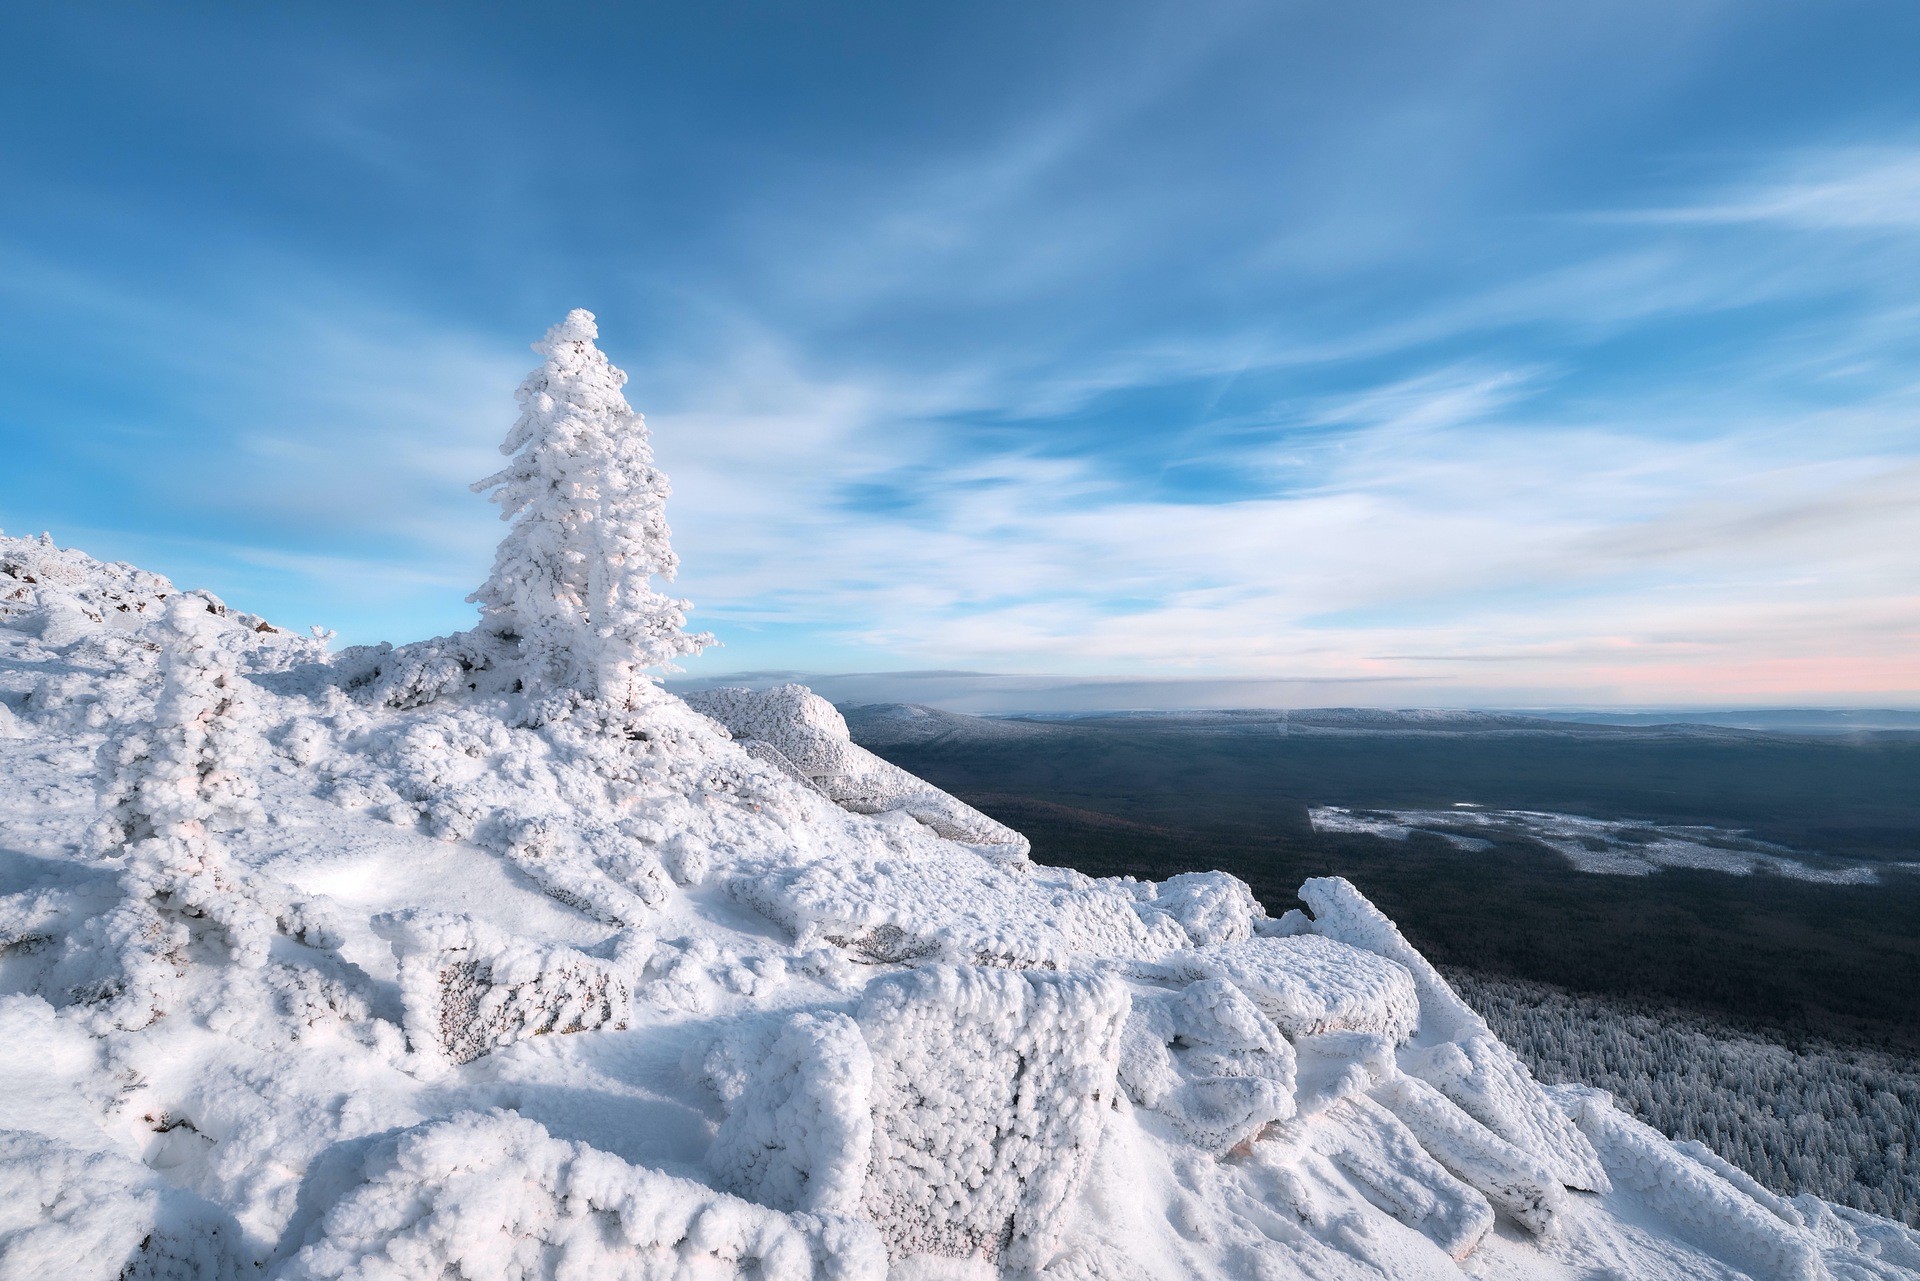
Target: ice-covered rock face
[[382, 967]]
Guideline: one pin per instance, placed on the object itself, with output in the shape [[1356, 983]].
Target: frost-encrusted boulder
[[408, 676], [496, 1196], [1470, 1066], [804, 727], [802, 734], [1212, 907], [95, 1216], [957, 1110], [1207, 1059], [468, 989], [34, 917], [799, 1128], [123, 966], [1342, 912], [1307, 984], [989, 1091]]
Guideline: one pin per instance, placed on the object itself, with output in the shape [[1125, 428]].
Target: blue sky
[[1380, 353]]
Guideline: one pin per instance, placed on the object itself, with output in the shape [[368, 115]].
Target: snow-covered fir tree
[[170, 786], [193, 770], [572, 581]]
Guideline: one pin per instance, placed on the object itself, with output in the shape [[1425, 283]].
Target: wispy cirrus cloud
[[1849, 188]]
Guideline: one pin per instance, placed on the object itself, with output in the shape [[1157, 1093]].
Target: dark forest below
[[1147, 797]]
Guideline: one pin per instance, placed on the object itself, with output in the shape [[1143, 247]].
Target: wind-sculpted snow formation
[[461, 960]]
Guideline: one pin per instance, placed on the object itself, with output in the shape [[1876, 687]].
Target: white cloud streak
[[1842, 189]]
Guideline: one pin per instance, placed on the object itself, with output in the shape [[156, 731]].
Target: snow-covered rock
[[990, 1088], [957, 1109], [1211, 907], [1373, 1146], [468, 989], [804, 735], [1462, 1057], [1699, 1202], [97, 1216], [799, 1127], [1509, 1178], [1309, 984], [1209, 1061], [793, 720]]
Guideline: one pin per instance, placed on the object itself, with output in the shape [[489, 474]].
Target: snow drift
[[487, 957]]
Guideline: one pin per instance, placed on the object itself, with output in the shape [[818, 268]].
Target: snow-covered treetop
[[573, 579]]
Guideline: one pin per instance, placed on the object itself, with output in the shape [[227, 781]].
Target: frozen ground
[[1614, 847], [335, 965]]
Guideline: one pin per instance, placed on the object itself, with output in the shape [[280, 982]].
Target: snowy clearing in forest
[[1608, 847]]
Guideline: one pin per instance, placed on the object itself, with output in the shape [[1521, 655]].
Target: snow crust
[[426, 961]]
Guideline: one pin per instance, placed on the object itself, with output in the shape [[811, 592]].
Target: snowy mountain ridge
[[487, 957]]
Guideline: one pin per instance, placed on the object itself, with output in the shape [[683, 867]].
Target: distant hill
[[877, 725], [913, 725], [1790, 720]]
